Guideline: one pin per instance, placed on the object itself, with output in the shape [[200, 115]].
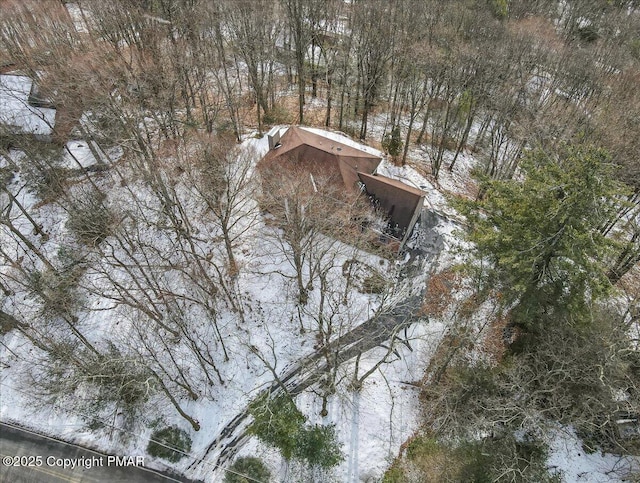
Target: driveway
[[368, 335]]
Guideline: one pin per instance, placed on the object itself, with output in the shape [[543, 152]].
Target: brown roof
[[399, 200], [323, 156]]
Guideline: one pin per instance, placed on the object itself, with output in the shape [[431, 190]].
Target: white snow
[[78, 15], [567, 456], [270, 327], [372, 423], [81, 153], [15, 110]]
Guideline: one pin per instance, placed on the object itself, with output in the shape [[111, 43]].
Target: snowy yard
[[258, 332], [372, 423], [15, 110]]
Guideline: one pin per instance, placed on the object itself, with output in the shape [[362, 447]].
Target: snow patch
[[567, 456], [15, 110]]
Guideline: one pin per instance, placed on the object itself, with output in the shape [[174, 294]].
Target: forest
[[158, 295]]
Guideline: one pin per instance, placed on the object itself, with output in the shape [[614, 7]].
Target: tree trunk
[[327, 119], [463, 140], [194, 424], [408, 139]]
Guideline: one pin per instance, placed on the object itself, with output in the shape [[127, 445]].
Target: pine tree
[[540, 235]]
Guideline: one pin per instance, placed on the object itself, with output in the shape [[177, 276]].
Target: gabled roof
[[324, 156], [301, 151]]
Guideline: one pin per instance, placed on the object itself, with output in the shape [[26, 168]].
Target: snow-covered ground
[[15, 111], [79, 16], [567, 456], [82, 154], [372, 423]]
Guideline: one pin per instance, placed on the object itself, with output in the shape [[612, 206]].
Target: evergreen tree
[[540, 235], [318, 446], [279, 423], [392, 143], [247, 469]]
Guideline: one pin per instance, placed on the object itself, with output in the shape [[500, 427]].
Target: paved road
[[20, 463]]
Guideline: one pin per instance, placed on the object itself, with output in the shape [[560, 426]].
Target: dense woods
[[543, 94], [495, 78]]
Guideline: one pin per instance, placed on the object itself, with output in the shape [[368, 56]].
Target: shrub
[[588, 33], [249, 466], [395, 474], [6, 173], [169, 443], [634, 47], [500, 8], [428, 458], [57, 290], [441, 289], [374, 283], [484, 460], [89, 218], [43, 171], [120, 378], [422, 446], [276, 422], [318, 446], [488, 459]]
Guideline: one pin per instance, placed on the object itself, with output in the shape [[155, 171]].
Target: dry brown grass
[[440, 292], [495, 343]]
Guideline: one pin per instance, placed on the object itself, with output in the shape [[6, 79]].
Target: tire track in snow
[[309, 370]]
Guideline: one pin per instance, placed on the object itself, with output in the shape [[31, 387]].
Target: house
[[322, 156], [351, 169]]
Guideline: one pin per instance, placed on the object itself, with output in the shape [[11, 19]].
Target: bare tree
[[311, 215], [254, 28], [223, 178], [303, 18], [373, 51]]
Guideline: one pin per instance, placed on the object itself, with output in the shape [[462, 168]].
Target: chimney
[[273, 137]]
